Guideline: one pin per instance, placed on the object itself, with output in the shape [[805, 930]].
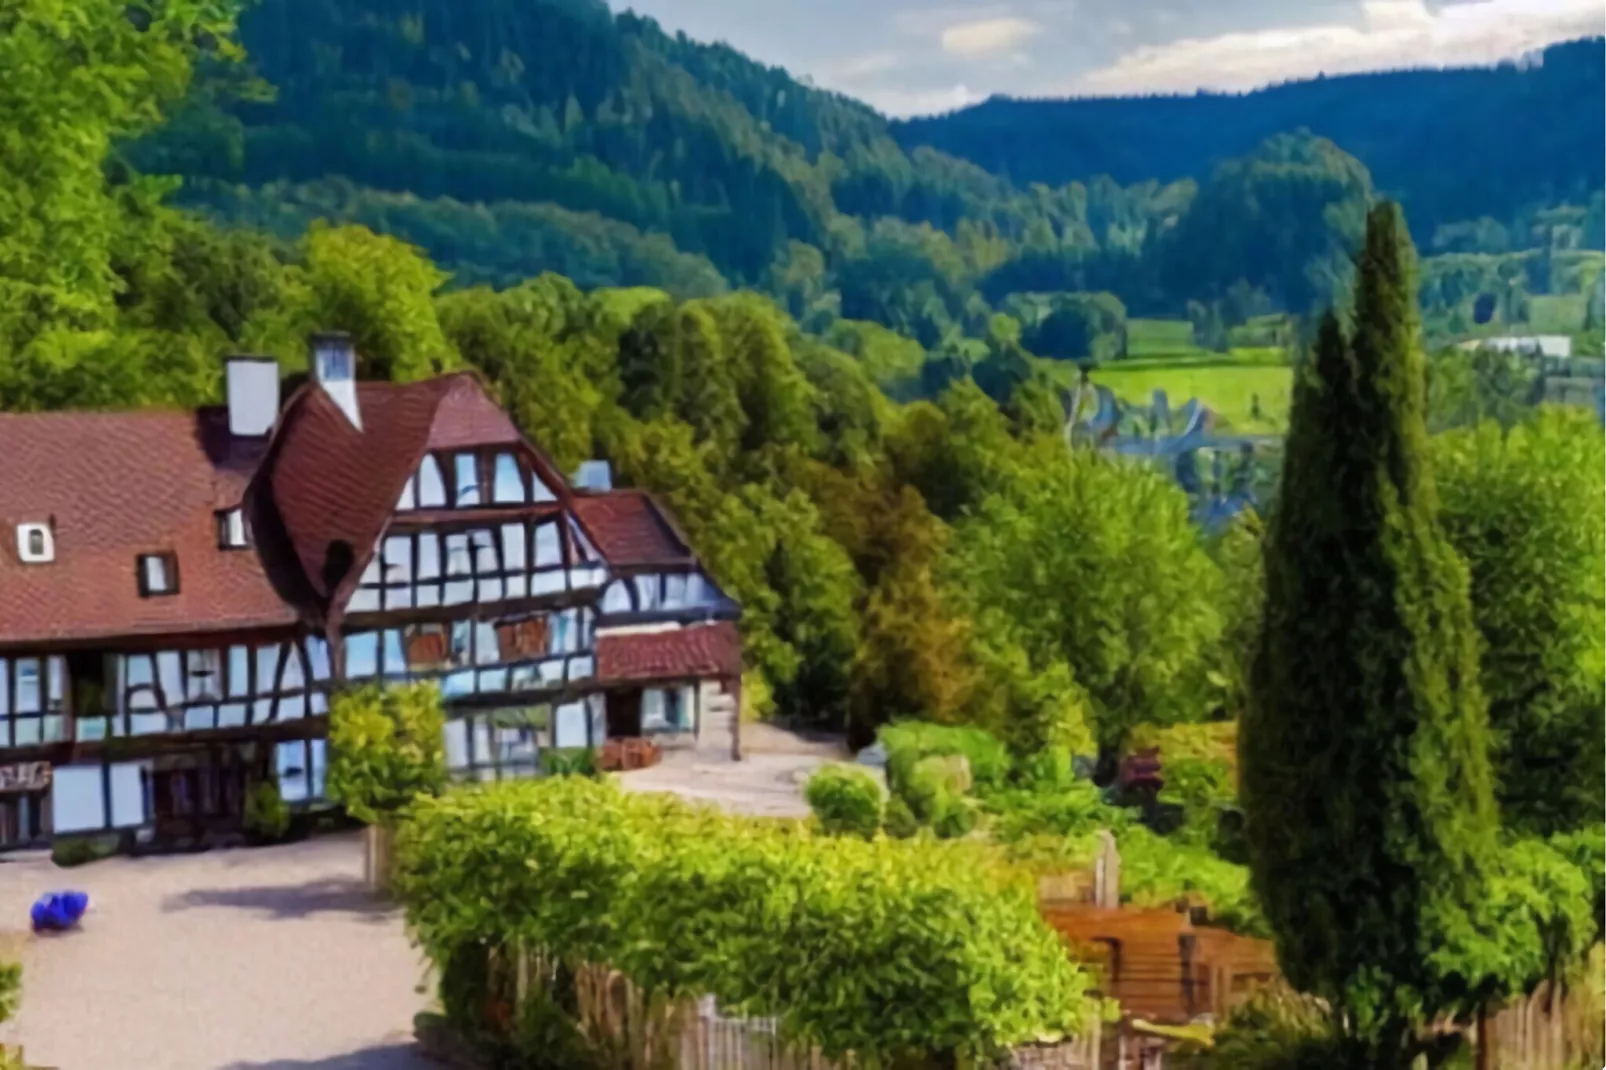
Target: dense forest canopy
[[507, 139], [1450, 145]]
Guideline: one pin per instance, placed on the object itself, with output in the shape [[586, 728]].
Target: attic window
[[231, 530], [158, 575], [35, 544]]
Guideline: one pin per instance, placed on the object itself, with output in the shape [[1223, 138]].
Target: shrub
[[1074, 810], [900, 821], [1276, 1028], [80, 850], [908, 742], [955, 817], [888, 949], [571, 761], [386, 747], [846, 800], [1155, 871], [923, 792], [267, 815], [1050, 769], [10, 989], [1203, 790]]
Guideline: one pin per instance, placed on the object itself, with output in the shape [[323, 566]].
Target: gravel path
[[767, 782], [277, 959], [267, 959]]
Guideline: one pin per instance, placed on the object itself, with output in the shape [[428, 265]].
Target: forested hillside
[[510, 138], [1450, 145]]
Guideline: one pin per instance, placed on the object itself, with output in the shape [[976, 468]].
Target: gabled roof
[[631, 529], [114, 486], [318, 493], [680, 654], [327, 489]]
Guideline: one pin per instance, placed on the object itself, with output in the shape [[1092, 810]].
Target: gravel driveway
[[267, 959], [276, 958]]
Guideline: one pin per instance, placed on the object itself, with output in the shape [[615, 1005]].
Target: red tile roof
[[701, 650], [328, 483], [117, 485], [631, 529]]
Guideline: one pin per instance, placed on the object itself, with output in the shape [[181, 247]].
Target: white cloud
[[987, 37], [918, 101], [863, 65], [1390, 34]]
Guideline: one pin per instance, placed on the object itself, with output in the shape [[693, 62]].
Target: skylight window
[[231, 530], [158, 575], [35, 544]]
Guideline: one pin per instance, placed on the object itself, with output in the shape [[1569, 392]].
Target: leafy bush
[[889, 949], [1050, 769], [80, 850], [267, 815], [1155, 871], [1204, 791], [846, 800], [386, 747], [10, 989], [955, 817], [900, 821], [923, 792], [1276, 1028], [1073, 810], [908, 742], [571, 761]]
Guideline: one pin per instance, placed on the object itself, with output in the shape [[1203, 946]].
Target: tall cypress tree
[[1364, 752]]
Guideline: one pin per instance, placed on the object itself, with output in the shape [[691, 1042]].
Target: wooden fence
[[644, 1034], [1552, 1029]]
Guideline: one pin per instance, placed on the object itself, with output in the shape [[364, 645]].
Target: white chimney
[[253, 394], [334, 367]]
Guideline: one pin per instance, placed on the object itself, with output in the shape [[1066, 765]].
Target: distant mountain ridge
[[508, 138], [1453, 144]]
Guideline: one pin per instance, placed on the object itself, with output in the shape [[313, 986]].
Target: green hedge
[[891, 949], [846, 800]]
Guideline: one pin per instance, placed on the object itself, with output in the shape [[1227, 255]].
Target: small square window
[[35, 544], [231, 530], [158, 574]]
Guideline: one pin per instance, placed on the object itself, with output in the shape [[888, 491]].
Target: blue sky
[[907, 57]]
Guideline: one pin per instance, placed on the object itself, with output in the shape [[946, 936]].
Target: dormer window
[[231, 530], [36, 544], [158, 575]]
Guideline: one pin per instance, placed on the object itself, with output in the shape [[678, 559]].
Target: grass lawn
[[1148, 338], [1225, 382], [1556, 313], [1226, 388]]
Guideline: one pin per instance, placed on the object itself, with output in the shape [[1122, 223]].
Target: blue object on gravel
[[59, 910]]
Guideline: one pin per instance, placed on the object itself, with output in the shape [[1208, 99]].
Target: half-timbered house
[[180, 593]]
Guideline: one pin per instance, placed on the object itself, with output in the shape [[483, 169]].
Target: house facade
[[182, 592]]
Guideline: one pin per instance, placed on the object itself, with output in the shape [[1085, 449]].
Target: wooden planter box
[[624, 755]]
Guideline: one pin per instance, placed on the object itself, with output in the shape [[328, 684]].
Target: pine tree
[[1364, 751]]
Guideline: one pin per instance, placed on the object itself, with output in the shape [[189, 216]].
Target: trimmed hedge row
[[883, 948]]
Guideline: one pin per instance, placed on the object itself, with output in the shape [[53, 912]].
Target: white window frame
[[26, 534]]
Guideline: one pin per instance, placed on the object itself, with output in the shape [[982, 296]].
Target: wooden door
[[624, 714]]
